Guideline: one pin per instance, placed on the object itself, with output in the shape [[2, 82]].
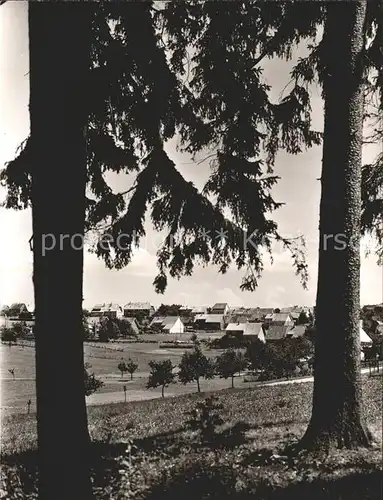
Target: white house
[[168, 324]]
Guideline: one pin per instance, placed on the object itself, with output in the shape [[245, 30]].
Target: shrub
[[92, 384], [205, 418], [8, 335]]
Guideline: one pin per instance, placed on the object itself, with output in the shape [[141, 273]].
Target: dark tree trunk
[[131, 376], [163, 388], [198, 385], [59, 45], [337, 415], [232, 382]]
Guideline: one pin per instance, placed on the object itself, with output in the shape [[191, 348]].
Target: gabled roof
[[214, 318], [297, 331], [170, 320], [97, 307], [277, 332], [220, 305], [112, 307], [157, 320], [235, 327], [200, 317], [199, 310], [364, 338], [138, 305], [265, 310], [253, 329], [165, 321], [280, 317], [295, 314]]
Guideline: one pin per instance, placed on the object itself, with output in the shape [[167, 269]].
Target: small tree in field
[[12, 372], [194, 366], [256, 355], [108, 329], [8, 335], [131, 367], [229, 363], [92, 384], [161, 374], [122, 367]]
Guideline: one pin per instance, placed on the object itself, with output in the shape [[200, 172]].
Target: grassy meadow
[[143, 450], [104, 359]]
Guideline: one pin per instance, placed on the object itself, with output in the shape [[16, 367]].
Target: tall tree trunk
[[337, 415], [59, 45], [162, 392], [198, 385]]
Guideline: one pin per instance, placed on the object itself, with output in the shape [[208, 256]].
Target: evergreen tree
[[220, 105]]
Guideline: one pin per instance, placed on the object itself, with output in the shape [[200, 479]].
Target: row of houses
[[280, 330], [146, 310]]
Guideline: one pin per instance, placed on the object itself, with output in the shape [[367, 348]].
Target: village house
[[139, 310], [168, 324], [209, 322], [246, 330], [263, 312], [278, 326], [220, 308], [243, 315], [112, 311]]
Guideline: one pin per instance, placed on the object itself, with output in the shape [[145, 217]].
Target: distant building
[[297, 331], [220, 308], [112, 311], [199, 310], [96, 311], [209, 322], [278, 332], [282, 319], [138, 310], [244, 314], [264, 311], [247, 330], [168, 324]]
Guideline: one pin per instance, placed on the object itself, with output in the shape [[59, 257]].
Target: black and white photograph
[[191, 267]]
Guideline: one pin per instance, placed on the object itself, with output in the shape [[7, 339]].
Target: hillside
[[142, 450]]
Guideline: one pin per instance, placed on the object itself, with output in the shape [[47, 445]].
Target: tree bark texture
[[59, 41], [337, 414]]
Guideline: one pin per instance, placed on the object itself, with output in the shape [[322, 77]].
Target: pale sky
[[298, 188]]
